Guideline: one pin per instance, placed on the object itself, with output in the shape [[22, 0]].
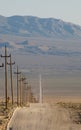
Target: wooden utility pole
[[11, 63], [21, 89], [40, 91], [17, 73], [6, 78], [26, 83], [29, 93]]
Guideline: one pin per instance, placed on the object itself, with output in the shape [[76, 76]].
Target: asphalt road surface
[[42, 117]]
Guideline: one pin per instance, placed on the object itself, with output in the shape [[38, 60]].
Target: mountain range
[[29, 34], [34, 26]]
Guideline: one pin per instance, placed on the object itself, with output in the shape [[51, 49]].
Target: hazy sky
[[68, 10]]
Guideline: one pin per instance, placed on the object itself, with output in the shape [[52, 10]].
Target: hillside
[[34, 26], [46, 36]]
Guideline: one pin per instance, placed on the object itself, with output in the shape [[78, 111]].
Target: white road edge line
[[12, 117]]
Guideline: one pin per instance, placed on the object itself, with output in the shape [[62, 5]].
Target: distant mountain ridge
[[28, 26], [40, 36]]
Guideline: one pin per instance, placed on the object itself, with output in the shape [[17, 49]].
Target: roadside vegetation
[[74, 110], [5, 114]]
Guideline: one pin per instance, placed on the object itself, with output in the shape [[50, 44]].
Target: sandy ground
[[66, 99], [42, 117]]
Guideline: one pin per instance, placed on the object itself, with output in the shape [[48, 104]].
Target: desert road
[[42, 117]]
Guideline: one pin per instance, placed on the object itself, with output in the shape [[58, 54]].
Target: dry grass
[[74, 110], [71, 103], [5, 114]]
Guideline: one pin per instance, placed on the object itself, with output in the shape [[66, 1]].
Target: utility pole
[[17, 73], [11, 63], [22, 80], [26, 83], [29, 93], [20, 89], [40, 91], [6, 78]]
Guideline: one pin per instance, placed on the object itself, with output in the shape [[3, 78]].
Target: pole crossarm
[[2, 65], [26, 83], [11, 63], [23, 79], [17, 72], [5, 56]]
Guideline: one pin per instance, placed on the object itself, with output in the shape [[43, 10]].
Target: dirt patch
[[74, 110]]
